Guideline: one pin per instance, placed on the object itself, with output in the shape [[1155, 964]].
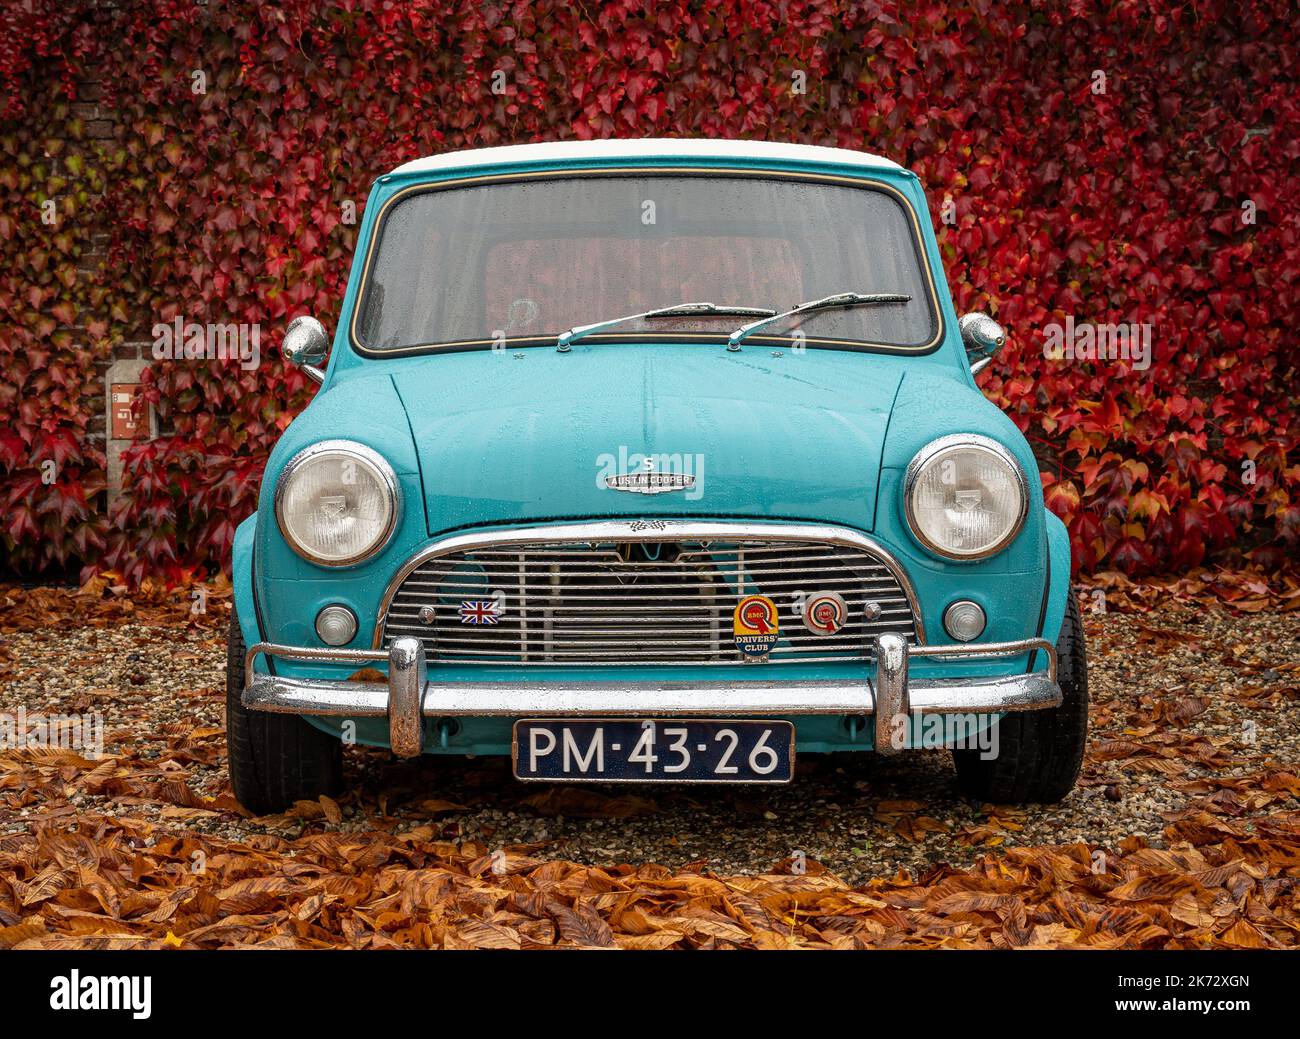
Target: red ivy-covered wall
[[1169, 196]]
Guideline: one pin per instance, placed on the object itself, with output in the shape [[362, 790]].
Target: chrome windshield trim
[[864, 179], [651, 530]]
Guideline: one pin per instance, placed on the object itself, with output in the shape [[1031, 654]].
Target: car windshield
[[523, 260]]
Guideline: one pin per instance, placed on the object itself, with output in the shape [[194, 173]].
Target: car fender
[[1058, 583], [241, 577]]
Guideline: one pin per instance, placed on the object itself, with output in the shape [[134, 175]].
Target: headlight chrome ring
[[927, 455], [364, 456]]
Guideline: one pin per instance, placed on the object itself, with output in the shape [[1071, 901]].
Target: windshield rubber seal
[[548, 340]]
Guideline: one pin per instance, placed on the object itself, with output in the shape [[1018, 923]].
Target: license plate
[[641, 750]]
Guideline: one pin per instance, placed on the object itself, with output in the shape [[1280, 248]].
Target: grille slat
[[602, 611], [651, 602], [633, 569], [584, 614], [779, 583], [469, 592]]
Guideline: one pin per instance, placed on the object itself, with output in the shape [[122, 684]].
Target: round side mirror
[[306, 345], [982, 337]]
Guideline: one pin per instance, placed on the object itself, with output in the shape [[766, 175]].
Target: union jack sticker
[[479, 611]]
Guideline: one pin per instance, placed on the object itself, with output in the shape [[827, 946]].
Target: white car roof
[[647, 148]]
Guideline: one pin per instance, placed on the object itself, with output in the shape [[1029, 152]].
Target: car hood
[[528, 435]]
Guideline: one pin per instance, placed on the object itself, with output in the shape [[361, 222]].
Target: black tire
[[1039, 752], [274, 759]]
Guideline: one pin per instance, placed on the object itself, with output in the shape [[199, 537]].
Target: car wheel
[[1039, 753], [274, 759]]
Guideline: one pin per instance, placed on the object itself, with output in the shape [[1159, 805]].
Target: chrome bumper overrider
[[410, 694]]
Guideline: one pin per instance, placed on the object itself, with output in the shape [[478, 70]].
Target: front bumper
[[410, 695]]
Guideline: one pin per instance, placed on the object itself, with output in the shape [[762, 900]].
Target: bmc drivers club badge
[[755, 625]]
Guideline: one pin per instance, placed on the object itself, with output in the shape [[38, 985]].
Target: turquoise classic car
[[651, 461]]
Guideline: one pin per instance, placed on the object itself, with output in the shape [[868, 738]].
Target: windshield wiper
[[567, 339], [839, 299]]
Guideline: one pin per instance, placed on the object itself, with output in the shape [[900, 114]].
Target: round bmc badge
[[824, 613], [755, 625]]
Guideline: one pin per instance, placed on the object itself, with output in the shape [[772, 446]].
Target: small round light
[[964, 620], [336, 625]]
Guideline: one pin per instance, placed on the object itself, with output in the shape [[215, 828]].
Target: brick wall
[[100, 122]]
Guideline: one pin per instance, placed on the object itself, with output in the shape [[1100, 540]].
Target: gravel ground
[[1190, 704]]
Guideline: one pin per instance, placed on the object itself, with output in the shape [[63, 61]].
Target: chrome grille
[[640, 601]]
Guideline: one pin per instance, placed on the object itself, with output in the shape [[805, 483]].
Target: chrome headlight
[[965, 496], [336, 503]]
